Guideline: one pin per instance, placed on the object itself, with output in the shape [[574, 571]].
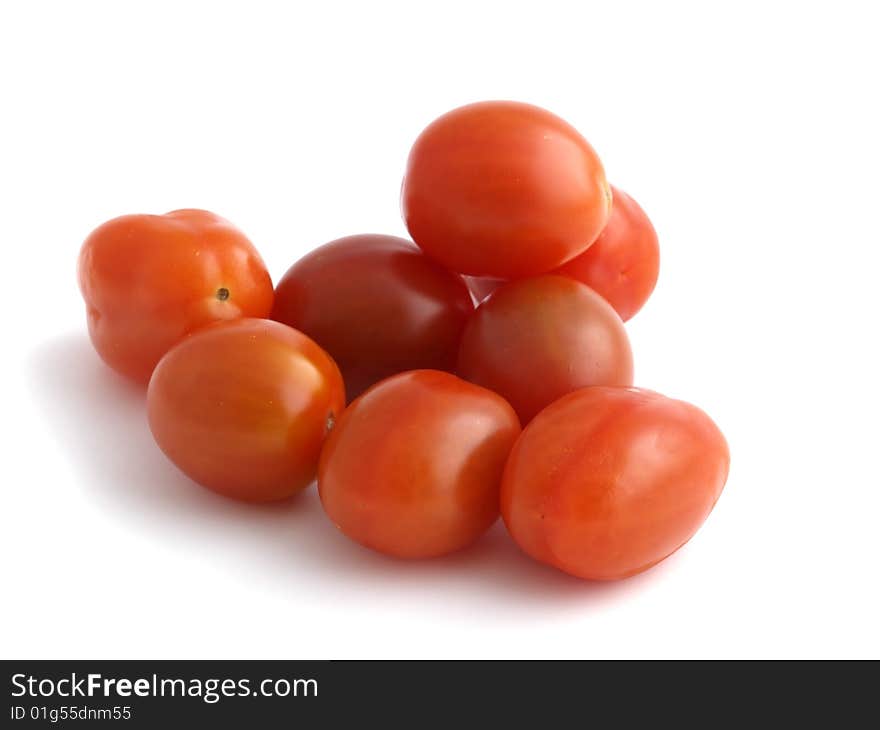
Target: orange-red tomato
[[378, 305], [624, 261], [148, 280], [534, 340], [503, 189], [413, 467], [607, 482], [622, 264], [243, 407]]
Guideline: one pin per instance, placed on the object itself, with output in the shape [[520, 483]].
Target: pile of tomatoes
[[484, 369]]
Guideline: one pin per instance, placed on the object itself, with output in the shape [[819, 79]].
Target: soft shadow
[[99, 420]]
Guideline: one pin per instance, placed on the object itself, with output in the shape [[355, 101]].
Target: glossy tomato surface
[[607, 482], [624, 262], [378, 305], [534, 340], [503, 189], [413, 467], [243, 408], [148, 280]]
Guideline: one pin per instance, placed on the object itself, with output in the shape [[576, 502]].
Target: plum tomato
[[148, 280], [243, 407], [503, 189], [607, 482], [412, 468], [624, 261], [378, 305], [534, 340]]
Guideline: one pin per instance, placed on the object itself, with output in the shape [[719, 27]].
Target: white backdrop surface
[[748, 134]]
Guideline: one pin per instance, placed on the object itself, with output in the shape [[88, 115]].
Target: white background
[[749, 135]]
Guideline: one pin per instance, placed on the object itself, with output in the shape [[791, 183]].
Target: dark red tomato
[[378, 305], [503, 189], [624, 262], [413, 467], [148, 280], [535, 340], [243, 407], [607, 482]]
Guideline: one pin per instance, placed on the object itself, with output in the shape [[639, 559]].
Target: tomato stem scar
[[223, 294]]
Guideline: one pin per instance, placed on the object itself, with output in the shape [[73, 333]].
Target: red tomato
[[378, 305], [607, 482], [148, 280], [535, 340], [243, 407], [624, 262], [503, 189], [413, 467]]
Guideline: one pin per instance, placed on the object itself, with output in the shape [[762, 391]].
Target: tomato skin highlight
[[607, 482], [534, 340], [149, 280], [503, 189], [378, 305], [623, 264], [243, 407], [413, 467]]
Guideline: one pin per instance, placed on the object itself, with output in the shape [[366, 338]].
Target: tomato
[[624, 262], [243, 407], [534, 340], [148, 280], [378, 305], [607, 482], [413, 467], [503, 189]]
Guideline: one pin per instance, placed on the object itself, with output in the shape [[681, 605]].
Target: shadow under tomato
[[493, 573], [100, 421]]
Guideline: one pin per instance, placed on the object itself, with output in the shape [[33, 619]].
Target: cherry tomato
[[503, 189], [607, 482], [534, 340], [378, 305], [148, 280], [623, 263], [413, 467], [243, 407]]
